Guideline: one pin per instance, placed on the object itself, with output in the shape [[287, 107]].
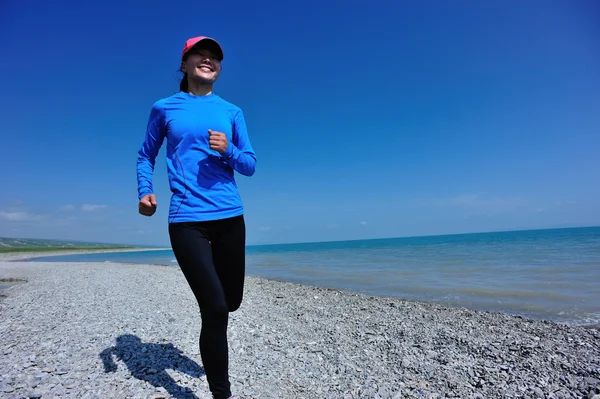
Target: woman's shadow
[[149, 362]]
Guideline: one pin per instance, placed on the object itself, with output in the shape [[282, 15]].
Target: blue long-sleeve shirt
[[201, 179]]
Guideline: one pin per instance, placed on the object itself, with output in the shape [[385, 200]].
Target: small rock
[[592, 381], [538, 392], [70, 384], [6, 388]]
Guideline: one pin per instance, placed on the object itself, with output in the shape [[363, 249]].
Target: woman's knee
[[234, 303], [215, 316]]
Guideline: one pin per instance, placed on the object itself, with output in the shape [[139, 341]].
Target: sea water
[[542, 274]]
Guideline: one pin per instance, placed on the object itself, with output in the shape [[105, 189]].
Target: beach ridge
[[102, 330]]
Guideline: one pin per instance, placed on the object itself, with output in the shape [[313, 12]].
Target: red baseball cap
[[210, 41]]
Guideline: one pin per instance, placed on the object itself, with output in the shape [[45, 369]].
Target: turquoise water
[[543, 274]]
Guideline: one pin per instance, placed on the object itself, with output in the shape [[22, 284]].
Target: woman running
[[207, 141]]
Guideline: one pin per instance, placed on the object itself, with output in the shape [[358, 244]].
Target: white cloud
[[265, 228], [564, 203], [68, 208], [92, 208], [363, 223], [19, 216], [481, 203]]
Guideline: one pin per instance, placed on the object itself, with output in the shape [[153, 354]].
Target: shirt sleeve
[[239, 153], [155, 135]]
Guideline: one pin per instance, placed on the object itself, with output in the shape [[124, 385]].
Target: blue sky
[[369, 119]]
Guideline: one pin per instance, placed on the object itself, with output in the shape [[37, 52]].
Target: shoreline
[[32, 256], [320, 342]]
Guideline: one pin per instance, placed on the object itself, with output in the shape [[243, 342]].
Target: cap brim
[[210, 44]]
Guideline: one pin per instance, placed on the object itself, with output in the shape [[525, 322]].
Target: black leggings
[[211, 256]]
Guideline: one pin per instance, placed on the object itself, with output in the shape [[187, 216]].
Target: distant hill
[[35, 242], [42, 245]]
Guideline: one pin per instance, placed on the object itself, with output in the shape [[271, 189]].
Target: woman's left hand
[[218, 141]]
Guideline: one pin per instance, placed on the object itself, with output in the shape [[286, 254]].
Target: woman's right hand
[[147, 205]]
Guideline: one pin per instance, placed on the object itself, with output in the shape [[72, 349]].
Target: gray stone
[[6, 388], [592, 381], [538, 392]]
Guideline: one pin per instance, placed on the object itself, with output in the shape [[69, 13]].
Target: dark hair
[[183, 85]]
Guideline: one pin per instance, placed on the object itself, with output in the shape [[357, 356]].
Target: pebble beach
[[107, 330]]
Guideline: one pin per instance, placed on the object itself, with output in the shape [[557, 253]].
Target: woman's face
[[202, 64]]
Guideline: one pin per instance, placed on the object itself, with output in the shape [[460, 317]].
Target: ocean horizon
[[549, 274]]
